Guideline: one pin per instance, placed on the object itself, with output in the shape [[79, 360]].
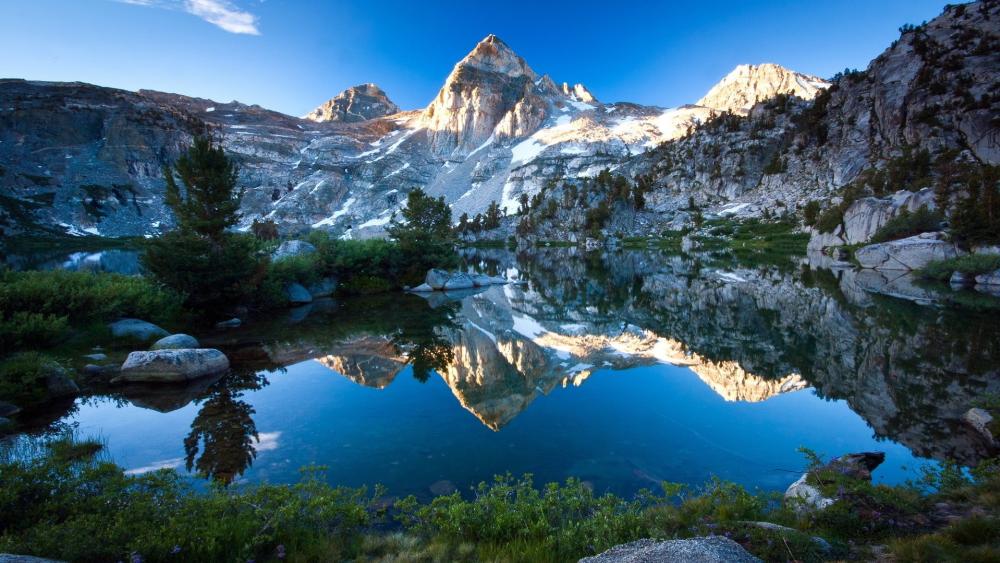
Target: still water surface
[[621, 369]]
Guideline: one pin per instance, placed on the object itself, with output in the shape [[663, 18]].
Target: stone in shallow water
[[437, 278], [459, 281], [176, 341], [231, 323], [422, 288], [171, 366], [297, 295], [709, 549]]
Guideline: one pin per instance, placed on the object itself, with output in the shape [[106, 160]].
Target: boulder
[[436, 278], [231, 323], [171, 366], [807, 497], [989, 279], [58, 382], [176, 341], [297, 294], [291, 248], [906, 254], [980, 420], [459, 281], [136, 329], [707, 549], [8, 409], [323, 288], [422, 288], [959, 280]]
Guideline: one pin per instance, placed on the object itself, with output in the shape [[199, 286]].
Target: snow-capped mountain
[[81, 158]]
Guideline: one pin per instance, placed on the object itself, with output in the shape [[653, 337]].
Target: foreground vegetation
[[61, 500]]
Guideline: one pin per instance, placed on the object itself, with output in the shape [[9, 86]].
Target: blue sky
[[291, 55]]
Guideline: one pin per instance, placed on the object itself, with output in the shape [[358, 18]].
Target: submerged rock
[[176, 341], [231, 323], [422, 288], [291, 248], [136, 329], [906, 254], [171, 366], [709, 549]]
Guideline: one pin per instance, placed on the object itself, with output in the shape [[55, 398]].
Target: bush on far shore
[[970, 265]]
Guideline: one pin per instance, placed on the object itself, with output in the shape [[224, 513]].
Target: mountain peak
[[493, 55], [357, 103], [748, 84]]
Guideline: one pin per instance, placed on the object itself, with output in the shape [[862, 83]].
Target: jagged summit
[[490, 93], [493, 55], [357, 103], [748, 84]]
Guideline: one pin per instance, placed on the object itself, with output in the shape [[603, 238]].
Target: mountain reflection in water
[[749, 333]]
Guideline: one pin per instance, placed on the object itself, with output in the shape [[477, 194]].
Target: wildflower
[[176, 549], [281, 551], [135, 557]]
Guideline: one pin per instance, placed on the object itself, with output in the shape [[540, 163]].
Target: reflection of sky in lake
[[620, 430]]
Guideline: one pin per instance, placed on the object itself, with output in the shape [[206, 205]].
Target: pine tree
[[214, 268], [213, 201]]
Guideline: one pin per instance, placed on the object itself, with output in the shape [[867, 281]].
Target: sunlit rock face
[[733, 383], [358, 103], [492, 91], [748, 85]]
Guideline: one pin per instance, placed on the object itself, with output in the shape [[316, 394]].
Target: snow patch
[[336, 214]]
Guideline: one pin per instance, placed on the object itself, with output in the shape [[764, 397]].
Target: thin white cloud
[[221, 13], [224, 15]]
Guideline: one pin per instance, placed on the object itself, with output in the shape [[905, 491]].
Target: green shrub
[[830, 219], [77, 509], [907, 224], [970, 265], [211, 276], [83, 297], [23, 377], [810, 214], [24, 329]]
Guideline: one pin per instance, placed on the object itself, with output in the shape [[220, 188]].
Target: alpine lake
[[623, 368]]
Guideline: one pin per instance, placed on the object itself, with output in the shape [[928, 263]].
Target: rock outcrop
[[906, 254]]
